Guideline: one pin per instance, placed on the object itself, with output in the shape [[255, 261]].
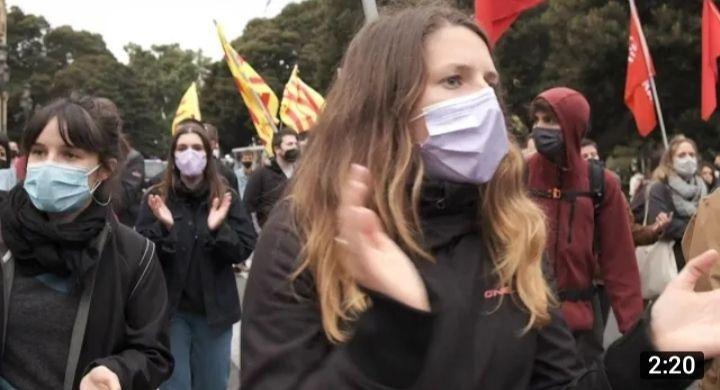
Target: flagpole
[[659, 112], [370, 9], [653, 88]]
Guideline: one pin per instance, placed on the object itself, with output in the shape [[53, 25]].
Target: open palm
[[219, 211], [685, 320], [160, 210], [373, 259]]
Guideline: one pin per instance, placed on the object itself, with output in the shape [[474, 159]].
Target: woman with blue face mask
[[84, 300], [201, 229], [407, 253]]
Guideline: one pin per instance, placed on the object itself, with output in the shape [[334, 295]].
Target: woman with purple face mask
[[201, 229]]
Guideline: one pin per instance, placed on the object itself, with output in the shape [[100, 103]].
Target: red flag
[[710, 53], [496, 16], [638, 95]]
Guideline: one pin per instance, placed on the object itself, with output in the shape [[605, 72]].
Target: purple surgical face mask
[[191, 162], [467, 138]]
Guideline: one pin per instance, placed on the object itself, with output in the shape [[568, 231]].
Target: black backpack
[[596, 191]]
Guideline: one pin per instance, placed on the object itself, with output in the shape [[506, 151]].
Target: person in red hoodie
[[584, 233]]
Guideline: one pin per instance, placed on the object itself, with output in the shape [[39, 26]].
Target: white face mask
[[468, 138], [686, 166]]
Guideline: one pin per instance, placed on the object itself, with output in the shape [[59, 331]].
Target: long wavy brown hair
[[366, 121]]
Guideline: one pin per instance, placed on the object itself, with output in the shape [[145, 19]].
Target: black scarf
[[195, 195], [40, 245]]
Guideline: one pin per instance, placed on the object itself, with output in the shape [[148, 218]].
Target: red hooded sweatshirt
[[570, 239]]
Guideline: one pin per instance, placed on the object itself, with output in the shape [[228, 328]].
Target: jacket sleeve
[[617, 256], [253, 190], [148, 226], [145, 361], [283, 344], [642, 235], [661, 202], [234, 240], [559, 367]]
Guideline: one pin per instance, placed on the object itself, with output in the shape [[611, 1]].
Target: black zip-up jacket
[[125, 318], [470, 340], [264, 189], [190, 240]]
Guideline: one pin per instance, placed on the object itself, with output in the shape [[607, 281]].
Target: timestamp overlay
[[676, 365]]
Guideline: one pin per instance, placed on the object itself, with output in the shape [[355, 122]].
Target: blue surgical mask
[[467, 138], [58, 189]]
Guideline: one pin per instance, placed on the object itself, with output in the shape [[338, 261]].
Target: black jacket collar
[[448, 211]]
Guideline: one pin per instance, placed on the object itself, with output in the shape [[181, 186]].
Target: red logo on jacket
[[497, 292]]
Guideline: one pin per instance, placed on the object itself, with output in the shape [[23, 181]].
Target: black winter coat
[[471, 340], [190, 240], [264, 189], [660, 201], [126, 325]]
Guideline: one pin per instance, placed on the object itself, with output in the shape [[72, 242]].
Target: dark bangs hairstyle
[[81, 125], [216, 183]]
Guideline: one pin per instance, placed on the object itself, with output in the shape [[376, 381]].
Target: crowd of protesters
[[406, 241]]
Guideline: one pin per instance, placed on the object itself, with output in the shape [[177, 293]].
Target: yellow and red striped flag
[[301, 105], [261, 101], [189, 107]]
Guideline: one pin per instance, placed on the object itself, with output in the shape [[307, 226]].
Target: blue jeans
[[201, 352]]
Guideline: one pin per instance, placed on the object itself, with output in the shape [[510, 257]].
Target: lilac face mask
[[191, 162], [467, 138]]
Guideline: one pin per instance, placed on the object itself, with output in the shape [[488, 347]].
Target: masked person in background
[[267, 183], [8, 176], [676, 191], [243, 171], [588, 221], [407, 254], [707, 172], [85, 306], [201, 229]]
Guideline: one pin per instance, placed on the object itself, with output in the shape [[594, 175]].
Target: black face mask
[[247, 164], [291, 155], [550, 143]]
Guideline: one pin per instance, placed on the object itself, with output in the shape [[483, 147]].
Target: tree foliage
[[581, 44]]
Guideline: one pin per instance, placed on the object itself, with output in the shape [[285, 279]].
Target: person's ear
[[106, 170]]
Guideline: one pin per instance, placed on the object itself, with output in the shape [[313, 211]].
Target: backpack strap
[[143, 266], [596, 176], [8, 273], [596, 192], [139, 249]]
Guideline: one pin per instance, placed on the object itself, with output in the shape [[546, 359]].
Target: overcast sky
[[148, 22]]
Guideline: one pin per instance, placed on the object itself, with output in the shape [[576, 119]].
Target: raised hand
[[219, 211], [161, 211], [371, 257], [685, 320], [661, 222], [100, 378]]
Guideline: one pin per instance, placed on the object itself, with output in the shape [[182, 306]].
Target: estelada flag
[[301, 105], [259, 98], [496, 16], [189, 107], [640, 69]]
